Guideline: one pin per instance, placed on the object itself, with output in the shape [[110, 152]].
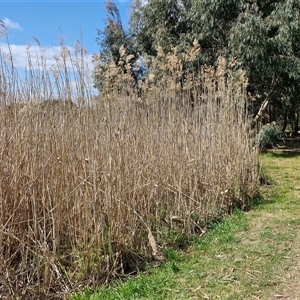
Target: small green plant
[[269, 135]]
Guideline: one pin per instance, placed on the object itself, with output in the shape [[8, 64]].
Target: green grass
[[244, 256]]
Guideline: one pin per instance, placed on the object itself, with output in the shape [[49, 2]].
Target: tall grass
[[90, 185]]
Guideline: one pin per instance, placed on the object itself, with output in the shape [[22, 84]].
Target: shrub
[[269, 135]]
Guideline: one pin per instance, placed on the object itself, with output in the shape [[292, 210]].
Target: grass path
[[253, 255], [284, 215]]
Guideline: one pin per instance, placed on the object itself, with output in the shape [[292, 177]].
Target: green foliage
[[212, 22], [113, 36], [170, 24], [269, 135], [158, 23], [247, 42], [114, 44], [263, 37]]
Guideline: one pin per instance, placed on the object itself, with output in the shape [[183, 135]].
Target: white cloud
[[49, 56], [9, 24], [49, 60]]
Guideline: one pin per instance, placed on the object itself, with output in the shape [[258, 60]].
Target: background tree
[[263, 36], [113, 36], [178, 23], [211, 22], [115, 50], [265, 41], [158, 23]]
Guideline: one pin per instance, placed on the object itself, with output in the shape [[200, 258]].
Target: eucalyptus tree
[[158, 23], [265, 41], [262, 35], [115, 47], [162, 28], [178, 23], [113, 36]]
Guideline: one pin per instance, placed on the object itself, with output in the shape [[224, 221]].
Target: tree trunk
[[296, 124], [260, 112], [285, 122], [265, 103]]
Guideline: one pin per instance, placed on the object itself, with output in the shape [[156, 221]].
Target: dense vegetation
[[261, 35], [249, 255], [93, 187]]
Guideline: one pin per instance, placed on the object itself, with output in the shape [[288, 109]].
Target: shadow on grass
[[261, 202], [286, 148], [286, 153]]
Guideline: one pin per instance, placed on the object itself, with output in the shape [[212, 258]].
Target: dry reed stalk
[[83, 185]]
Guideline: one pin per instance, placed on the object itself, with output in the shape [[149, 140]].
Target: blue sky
[[48, 21]]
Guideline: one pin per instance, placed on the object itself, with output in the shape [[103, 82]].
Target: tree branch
[[265, 102]]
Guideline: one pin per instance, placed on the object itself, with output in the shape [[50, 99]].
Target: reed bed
[[91, 185]]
